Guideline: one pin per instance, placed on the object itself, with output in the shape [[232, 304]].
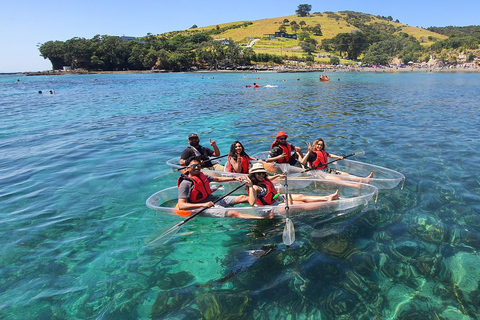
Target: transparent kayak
[[352, 195], [383, 178]]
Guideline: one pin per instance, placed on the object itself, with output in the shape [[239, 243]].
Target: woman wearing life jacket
[[262, 192], [281, 150], [317, 157], [238, 161]]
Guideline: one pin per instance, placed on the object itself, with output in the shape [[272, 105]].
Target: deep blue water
[[77, 166]]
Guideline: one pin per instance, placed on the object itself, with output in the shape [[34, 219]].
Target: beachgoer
[[238, 160], [256, 85], [261, 190], [317, 157], [281, 151], [196, 150], [194, 192], [40, 91]]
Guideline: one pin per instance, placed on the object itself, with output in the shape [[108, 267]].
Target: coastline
[[270, 69]]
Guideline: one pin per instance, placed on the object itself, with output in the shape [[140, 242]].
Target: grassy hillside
[[331, 24]]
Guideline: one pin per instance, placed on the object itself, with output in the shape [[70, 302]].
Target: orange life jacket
[[287, 149], [322, 157], [245, 165], [201, 187], [271, 192]]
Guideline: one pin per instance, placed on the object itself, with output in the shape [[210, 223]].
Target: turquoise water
[[77, 166]]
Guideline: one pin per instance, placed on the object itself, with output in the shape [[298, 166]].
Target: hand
[[208, 204], [248, 182], [298, 149], [309, 147], [283, 155], [213, 143]]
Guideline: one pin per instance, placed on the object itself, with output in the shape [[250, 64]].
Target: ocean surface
[[76, 168]]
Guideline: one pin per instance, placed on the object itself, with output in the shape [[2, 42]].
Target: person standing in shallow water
[[202, 153]]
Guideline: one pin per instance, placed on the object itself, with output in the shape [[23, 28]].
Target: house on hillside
[[281, 35]]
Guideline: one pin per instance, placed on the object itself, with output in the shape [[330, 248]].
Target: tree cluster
[[180, 52]]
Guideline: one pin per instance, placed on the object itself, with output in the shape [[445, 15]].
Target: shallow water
[[77, 166]]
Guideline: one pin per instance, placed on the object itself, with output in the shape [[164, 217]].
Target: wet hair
[[315, 143], [232, 153]]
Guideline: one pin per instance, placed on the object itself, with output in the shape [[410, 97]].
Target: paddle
[[167, 235], [288, 236], [357, 153], [183, 168]]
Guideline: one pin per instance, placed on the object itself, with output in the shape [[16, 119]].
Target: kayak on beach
[[352, 195]]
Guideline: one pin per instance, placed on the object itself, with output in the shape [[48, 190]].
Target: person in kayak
[[317, 158], [262, 192], [238, 161], [196, 150], [194, 192], [281, 150]]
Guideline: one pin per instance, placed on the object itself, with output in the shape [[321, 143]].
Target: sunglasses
[[191, 139], [281, 138], [194, 166]]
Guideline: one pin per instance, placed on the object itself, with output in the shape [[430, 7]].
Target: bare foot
[[270, 215], [333, 196], [370, 175]]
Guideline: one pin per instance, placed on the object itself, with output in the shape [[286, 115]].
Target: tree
[[302, 23], [194, 26], [53, 51], [294, 27], [307, 47], [334, 60], [303, 35], [285, 20], [282, 28], [317, 30], [303, 10]]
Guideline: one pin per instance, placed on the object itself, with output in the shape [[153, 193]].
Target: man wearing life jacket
[[194, 189], [202, 153], [281, 151]]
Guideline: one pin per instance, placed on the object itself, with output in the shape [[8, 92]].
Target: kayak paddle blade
[[359, 153], [284, 167], [288, 233], [160, 237]]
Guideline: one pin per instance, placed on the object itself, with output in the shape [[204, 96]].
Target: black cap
[[191, 135]]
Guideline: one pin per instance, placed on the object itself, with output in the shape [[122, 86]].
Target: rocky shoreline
[[281, 69]]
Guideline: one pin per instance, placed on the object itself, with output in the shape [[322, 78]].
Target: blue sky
[[25, 23]]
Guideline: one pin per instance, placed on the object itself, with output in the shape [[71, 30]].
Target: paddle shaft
[[183, 168], [326, 164]]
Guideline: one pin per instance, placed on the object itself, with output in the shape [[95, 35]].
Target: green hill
[[331, 24]]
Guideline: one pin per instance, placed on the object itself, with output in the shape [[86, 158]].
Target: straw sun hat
[[258, 168]]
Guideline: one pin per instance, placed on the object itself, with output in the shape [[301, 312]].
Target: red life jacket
[[322, 157], [287, 149], [201, 187], [271, 192], [245, 165]]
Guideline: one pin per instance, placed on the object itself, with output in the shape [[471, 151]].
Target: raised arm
[[216, 152]]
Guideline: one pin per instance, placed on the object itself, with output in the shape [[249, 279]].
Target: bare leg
[[236, 214], [300, 198]]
